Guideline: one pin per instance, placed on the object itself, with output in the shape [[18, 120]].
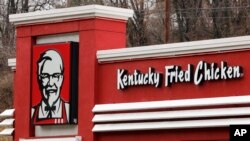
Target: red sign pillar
[[22, 86], [95, 34], [98, 27]]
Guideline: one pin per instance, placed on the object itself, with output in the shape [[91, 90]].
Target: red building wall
[[107, 84]]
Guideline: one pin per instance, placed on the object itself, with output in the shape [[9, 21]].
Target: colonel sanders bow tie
[[50, 110]]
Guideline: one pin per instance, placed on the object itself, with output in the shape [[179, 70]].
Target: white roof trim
[[7, 113], [7, 132], [216, 101], [166, 115], [175, 49], [169, 125], [88, 11]]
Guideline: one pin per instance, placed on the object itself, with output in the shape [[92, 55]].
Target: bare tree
[[208, 19], [7, 43], [156, 23], [138, 28], [84, 2], [147, 14], [186, 13]]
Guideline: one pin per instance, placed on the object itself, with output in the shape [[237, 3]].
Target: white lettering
[[120, 84], [150, 78], [198, 76], [168, 74], [175, 74], [223, 70], [240, 132]]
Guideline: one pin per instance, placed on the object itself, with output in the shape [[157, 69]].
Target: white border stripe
[[58, 38], [7, 113], [172, 104], [7, 122], [163, 115], [88, 11], [175, 49], [169, 125], [7, 132]]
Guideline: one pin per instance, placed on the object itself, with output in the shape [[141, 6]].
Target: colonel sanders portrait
[[52, 107]]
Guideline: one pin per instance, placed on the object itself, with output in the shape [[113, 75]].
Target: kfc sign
[[54, 85], [175, 74]]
